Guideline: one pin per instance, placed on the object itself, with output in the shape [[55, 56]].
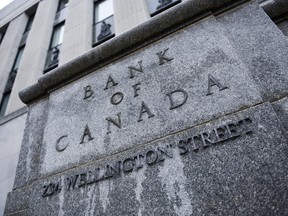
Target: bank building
[[144, 107]]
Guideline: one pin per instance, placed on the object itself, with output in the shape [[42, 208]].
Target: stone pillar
[[78, 30], [129, 13], [33, 60], [9, 48]]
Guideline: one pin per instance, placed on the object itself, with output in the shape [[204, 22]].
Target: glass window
[[4, 103], [103, 10], [57, 37], [103, 28], [62, 4], [29, 23], [157, 6], [18, 59], [2, 34], [1, 37]]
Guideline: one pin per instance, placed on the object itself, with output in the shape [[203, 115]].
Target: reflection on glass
[[103, 10], [18, 59], [105, 30], [58, 34]]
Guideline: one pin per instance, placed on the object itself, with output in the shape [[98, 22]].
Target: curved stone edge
[[123, 44]]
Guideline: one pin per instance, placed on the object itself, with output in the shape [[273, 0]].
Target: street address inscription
[[154, 155]]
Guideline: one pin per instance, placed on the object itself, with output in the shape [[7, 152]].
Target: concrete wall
[[13, 10], [11, 133], [9, 48], [78, 30], [129, 13], [32, 63]]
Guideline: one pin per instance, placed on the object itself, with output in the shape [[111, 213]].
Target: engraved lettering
[[86, 133], [82, 180], [183, 146], [173, 104], [136, 88], [90, 178], [71, 182], [128, 164], [212, 81], [59, 147], [232, 130], [221, 133], [117, 98], [196, 142], [164, 152], [206, 139], [248, 122], [98, 176], [132, 69], [112, 170], [151, 157], [117, 123], [163, 58], [48, 190], [110, 80], [138, 160], [88, 92], [145, 109]]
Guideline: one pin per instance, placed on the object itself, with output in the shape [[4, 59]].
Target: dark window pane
[[29, 23], [2, 34], [103, 30], [4, 103], [18, 59], [62, 4], [57, 36]]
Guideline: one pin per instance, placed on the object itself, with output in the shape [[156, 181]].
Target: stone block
[[181, 81], [29, 157], [17, 201], [235, 165], [261, 46], [179, 124]]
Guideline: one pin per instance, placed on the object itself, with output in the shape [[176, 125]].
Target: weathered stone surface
[[261, 46], [29, 158], [186, 66], [20, 213], [17, 201], [138, 37], [182, 126], [9, 157], [281, 108], [244, 174]]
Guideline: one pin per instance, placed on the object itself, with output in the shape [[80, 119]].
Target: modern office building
[[37, 36]]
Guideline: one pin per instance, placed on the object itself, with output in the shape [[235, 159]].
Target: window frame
[[153, 13], [94, 41]]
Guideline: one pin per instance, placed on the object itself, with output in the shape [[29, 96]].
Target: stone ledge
[[124, 44], [13, 115]]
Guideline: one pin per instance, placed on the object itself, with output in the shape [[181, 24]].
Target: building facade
[[37, 36]]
